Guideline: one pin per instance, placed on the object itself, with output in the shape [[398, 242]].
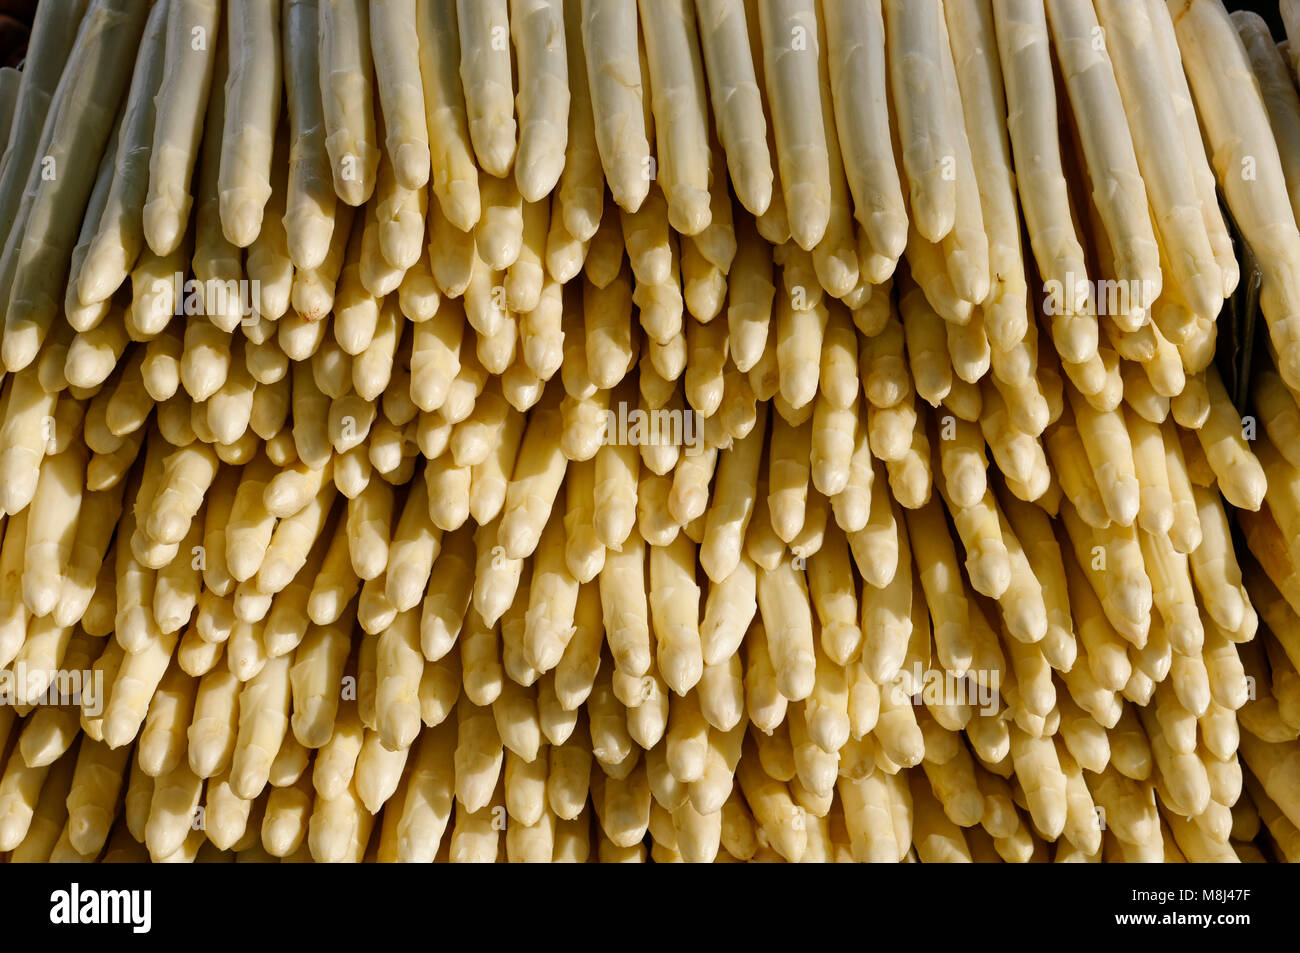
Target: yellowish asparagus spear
[[454, 175], [191, 49], [485, 74], [1109, 154], [1032, 123], [119, 237], [737, 100], [609, 39], [791, 54], [1237, 129], [252, 109]]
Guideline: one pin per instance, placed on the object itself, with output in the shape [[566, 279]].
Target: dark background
[[1268, 9]]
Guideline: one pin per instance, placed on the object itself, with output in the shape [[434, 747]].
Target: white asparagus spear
[[926, 128], [855, 40], [1118, 190], [538, 29], [347, 98], [31, 184], [485, 76], [581, 191], [609, 40], [51, 528], [1278, 89], [966, 247], [1193, 144], [680, 111], [1021, 27], [1238, 134], [1167, 171], [395, 45], [979, 77], [94, 86], [454, 175], [311, 202], [76, 314], [737, 100], [790, 55], [120, 235], [192, 38], [252, 111], [54, 30]]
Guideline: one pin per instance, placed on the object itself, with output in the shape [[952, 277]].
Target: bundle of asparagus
[[625, 426]]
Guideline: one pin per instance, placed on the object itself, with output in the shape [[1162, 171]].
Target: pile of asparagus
[[564, 430]]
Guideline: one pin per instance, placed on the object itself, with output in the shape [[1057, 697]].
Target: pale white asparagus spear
[[309, 216], [979, 77], [77, 314], [737, 100], [190, 57], [609, 40], [454, 174], [965, 248], [791, 54], [486, 77], [581, 190], [217, 264], [538, 29], [680, 111], [1280, 98], [54, 31], [31, 184], [25, 434], [1167, 171], [1021, 27], [252, 111], [926, 127], [119, 236], [51, 528], [347, 98], [1193, 144], [395, 46], [1247, 164], [1118, 190], [855, 40], [93, 88]]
